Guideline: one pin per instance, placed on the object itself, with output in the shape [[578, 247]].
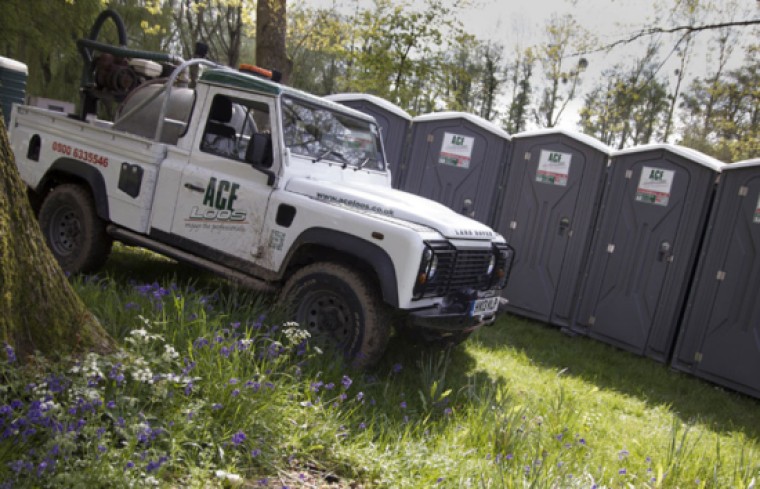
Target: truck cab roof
[[244, 81]]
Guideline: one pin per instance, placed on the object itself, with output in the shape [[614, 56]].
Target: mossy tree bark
[[271, 29], [39, 310]]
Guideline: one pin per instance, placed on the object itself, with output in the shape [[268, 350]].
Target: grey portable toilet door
[[730, 349], [643, 207], [460, 168], [539, 224]]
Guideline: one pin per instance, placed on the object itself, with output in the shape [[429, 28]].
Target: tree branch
[[686, 29]]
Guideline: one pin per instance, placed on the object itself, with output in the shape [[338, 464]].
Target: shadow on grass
[[607, 367], [132, 265]]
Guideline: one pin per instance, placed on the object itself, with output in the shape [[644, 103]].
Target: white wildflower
[[232, 479], [170, 353], [295, 334], [143, 375]]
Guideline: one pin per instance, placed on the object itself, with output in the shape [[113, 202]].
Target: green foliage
[[42, 37], [564, 35], [417, 57], [722, 113], [629, 107], [521, 72]]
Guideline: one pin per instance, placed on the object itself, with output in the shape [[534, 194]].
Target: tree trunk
[[40, 310], [271, 27]]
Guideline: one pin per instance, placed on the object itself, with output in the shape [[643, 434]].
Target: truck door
[[222, 198]]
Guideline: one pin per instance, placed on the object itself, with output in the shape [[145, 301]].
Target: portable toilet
[[719, 339], [649, 229], [13, 75], [459, 160], [394, 125], [547, 214]]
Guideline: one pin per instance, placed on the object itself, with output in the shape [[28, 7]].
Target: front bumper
[[454, 314]]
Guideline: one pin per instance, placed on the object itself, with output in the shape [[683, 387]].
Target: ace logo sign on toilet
[[456, 150], [654, 186], [553, 168]]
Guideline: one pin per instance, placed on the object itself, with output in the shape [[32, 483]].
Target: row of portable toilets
[[653, 249]]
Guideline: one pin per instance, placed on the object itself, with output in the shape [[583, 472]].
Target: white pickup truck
[[264, 184]]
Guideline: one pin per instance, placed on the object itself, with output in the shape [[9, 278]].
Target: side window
[[233, 124]]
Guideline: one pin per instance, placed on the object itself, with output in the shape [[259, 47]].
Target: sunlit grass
[[214, 390]]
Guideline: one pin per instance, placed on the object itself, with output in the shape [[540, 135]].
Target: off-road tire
[[72, 229], [339, 305]]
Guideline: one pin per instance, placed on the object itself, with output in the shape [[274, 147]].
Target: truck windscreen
[[322, 134]]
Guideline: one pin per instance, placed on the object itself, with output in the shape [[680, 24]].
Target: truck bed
[[127, 163]]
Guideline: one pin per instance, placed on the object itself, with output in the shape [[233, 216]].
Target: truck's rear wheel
[[72, 229], [338, 305]]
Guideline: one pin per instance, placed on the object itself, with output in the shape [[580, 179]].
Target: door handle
[[194, 188], [666, 252], [564, 224], [467, 208]]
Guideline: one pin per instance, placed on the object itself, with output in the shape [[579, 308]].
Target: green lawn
[[212, 390]]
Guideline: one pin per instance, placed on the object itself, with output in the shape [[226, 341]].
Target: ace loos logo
[[219, 200]]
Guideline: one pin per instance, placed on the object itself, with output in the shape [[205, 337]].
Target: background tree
[[318, 42], [220, 24], [629, 107], [560, 70], [42, 35], [721, 115], [474, 77], [271, 29], [521, 71], [41, 312]]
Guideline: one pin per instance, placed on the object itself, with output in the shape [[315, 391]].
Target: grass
[[212, 389]]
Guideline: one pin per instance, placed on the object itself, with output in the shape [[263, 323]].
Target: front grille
[[458, 270]]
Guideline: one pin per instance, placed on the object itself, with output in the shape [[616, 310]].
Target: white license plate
[[481, 307]]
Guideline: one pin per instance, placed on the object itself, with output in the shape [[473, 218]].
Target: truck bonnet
[[390, 202]]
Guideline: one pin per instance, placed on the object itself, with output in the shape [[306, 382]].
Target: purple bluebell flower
[[238, 438], [346, 381], [189, 366], [10, 353], [397, 368]]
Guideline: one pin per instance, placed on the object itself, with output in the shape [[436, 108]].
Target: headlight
[[504, 257], [427, 271], [491, 265], [433, 267]]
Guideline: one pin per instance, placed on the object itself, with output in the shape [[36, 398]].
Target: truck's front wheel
[[337, 304], [72, 229]]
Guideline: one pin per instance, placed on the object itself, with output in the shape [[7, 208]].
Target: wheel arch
[[322, 244], [67, 170]]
